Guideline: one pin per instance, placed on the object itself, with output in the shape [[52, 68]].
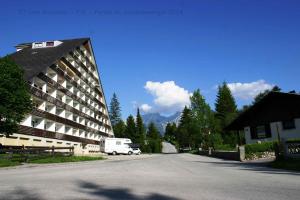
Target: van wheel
[[114, 153], [130, 152]]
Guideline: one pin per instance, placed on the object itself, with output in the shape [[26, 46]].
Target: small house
[[276, 116]]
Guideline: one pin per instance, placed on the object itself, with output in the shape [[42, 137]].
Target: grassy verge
[[290, 164], [18, 159], [8, 163], [62, 159], [225, 147]]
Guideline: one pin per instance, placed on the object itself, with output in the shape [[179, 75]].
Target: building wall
[[68, 99], [25, 140], [284, 134]]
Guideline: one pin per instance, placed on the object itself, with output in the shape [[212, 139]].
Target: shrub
[[262, 147], [225, 147], [293, 140]]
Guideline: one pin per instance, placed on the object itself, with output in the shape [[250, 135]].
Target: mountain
[[161, 121]]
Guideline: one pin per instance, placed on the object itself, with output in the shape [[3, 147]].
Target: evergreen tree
[[183, 134], [225, 103], [170, 132], [154, 140], [120, 129], [130, 131], [226, 111], [140, 130], [203, 119], [114, 110], [15, 101]]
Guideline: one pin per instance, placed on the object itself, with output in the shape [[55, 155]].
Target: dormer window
[[49, 44], [38, 44], [46, 44]]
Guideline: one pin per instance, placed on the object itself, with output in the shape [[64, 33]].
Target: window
[[38, 44], [261, 132], [118, 142], [49, 44], [288, 124]]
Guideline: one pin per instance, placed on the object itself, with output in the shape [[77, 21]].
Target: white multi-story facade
[[69, 102]]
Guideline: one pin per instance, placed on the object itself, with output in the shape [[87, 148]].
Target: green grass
[[289, 164], [62, 159], [225, 147], [194, 151], [261, 147], [18, 159], [8, 163]]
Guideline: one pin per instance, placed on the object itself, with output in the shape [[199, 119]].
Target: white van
[[116, 146]]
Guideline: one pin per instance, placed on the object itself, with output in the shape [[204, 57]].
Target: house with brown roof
[[276, 116]]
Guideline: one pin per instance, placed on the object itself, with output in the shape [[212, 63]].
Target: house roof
[[275, 106], [33, 61]]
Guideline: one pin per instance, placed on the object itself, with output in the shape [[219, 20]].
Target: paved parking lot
[[165, 177]]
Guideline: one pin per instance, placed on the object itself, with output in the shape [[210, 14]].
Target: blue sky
[[176, 46]]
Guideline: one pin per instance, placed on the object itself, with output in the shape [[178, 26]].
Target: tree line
[[202, 127], [199, 126], [148, 138]]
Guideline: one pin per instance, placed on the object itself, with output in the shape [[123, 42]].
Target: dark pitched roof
[[33, 61], [275, 106]]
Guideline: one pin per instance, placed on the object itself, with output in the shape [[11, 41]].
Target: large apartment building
[[69, 102]]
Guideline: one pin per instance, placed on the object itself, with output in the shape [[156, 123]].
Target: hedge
[[262, 147], [293, 140]]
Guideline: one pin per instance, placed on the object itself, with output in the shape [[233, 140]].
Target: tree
[[203, 119], [226, 111], [225, 103], [140, 130], [130, 129], [170, 133], [154, 140], [120, 129], [261, 95], [114, 110], [15, 101], [183, 134]]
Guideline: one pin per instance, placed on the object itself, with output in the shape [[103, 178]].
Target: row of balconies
[[61, 80], [40, 84], [53, 109], [87, 55], [48, 125], [86, 75]]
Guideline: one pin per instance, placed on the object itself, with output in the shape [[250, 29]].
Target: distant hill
[[160, 121]]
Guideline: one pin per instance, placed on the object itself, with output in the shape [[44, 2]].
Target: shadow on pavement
[[118, 193], [258, 167], [19, 194]]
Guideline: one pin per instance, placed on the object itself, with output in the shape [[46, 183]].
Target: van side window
[[118, 142]]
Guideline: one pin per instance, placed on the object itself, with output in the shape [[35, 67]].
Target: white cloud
[[248, 91], [145, 108], [168, 97]]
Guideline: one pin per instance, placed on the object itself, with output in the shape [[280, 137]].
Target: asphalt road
[[168, 148], [165, 177]]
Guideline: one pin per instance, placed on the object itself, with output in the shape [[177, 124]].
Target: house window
[[288, 124], [261, 132]]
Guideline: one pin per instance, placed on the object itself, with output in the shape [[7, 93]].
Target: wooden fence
[[25, 152]]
